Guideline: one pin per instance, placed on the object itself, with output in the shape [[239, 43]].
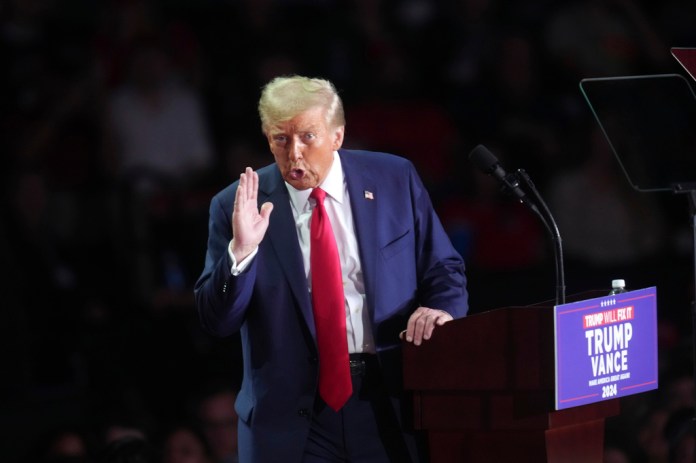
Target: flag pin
[[369, 195]]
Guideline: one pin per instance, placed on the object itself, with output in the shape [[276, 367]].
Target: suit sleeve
[[221, 298], [441, 277]]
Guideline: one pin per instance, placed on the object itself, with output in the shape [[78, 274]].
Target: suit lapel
[[364, 194]]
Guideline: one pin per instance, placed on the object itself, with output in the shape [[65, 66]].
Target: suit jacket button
[[224, 287], [303, 412]]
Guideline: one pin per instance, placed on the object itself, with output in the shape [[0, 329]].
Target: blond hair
[[285, 97]]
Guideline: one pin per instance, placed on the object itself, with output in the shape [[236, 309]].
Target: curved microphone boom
[[489, 164]]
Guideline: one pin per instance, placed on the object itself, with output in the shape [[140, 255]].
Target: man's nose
[[295, 150]]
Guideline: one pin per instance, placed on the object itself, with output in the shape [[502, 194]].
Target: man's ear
[[338, 137]]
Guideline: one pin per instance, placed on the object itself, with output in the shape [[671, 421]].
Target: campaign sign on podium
[[605, 347]]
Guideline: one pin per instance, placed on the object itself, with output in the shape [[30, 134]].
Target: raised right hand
[[248, 224]]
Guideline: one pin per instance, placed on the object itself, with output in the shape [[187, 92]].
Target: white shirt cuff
[[239, 267]]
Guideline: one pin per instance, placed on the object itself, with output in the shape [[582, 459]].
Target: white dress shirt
[[337, 205]]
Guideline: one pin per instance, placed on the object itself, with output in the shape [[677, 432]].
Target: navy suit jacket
[[407, 261]]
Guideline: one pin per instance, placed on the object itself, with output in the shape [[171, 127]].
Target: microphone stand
[[692, 210], [550, 224]]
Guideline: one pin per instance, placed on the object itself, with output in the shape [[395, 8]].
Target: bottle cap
[[618, 283]]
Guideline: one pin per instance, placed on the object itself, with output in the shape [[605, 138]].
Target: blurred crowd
[[121, 119]]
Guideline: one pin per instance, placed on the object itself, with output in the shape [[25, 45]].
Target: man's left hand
[[422, 323]]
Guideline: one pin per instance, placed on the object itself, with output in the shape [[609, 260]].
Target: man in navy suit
[[401, 279]]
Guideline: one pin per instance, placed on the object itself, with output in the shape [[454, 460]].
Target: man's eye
[[310, 136], [280, 138]]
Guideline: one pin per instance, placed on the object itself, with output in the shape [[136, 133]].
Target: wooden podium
[[483, 392]]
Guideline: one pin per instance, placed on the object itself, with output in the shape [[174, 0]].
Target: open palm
[[249, 225]]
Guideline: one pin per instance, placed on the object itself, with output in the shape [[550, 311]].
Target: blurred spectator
[[242, 154], [473, 31], [398, 126], [613, 454], [49, 318], [602, 221], [129, 450], [527, 118], [600, 38], [185, 444], [679, 392], [64, 445], [116, 432], [157, 124], [651, 439], [162, 153], [672, 19], [69, 444], [679, 432], [216, 413], [120, 26]]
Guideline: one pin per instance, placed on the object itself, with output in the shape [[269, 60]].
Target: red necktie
[[335, 385]]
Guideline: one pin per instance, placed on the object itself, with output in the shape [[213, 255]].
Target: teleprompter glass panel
[[650, 123]]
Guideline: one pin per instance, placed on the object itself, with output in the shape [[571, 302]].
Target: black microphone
[[489, 164]]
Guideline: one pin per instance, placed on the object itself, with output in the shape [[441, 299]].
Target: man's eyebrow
[[309, 128]]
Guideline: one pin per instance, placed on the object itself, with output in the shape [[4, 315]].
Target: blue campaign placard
[[605, 347]]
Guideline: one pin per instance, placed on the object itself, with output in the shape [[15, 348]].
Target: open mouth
[[296, 174]]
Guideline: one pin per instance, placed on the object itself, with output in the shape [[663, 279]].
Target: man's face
[[303, 147]]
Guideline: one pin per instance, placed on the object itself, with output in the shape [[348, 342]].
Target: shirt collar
[[332, 185]]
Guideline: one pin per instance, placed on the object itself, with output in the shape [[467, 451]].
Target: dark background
[[98, 258]]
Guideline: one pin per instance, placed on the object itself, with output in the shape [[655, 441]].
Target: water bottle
[[617, 287]]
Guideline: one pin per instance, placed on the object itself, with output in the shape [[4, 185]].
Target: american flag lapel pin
[[369, 195]]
